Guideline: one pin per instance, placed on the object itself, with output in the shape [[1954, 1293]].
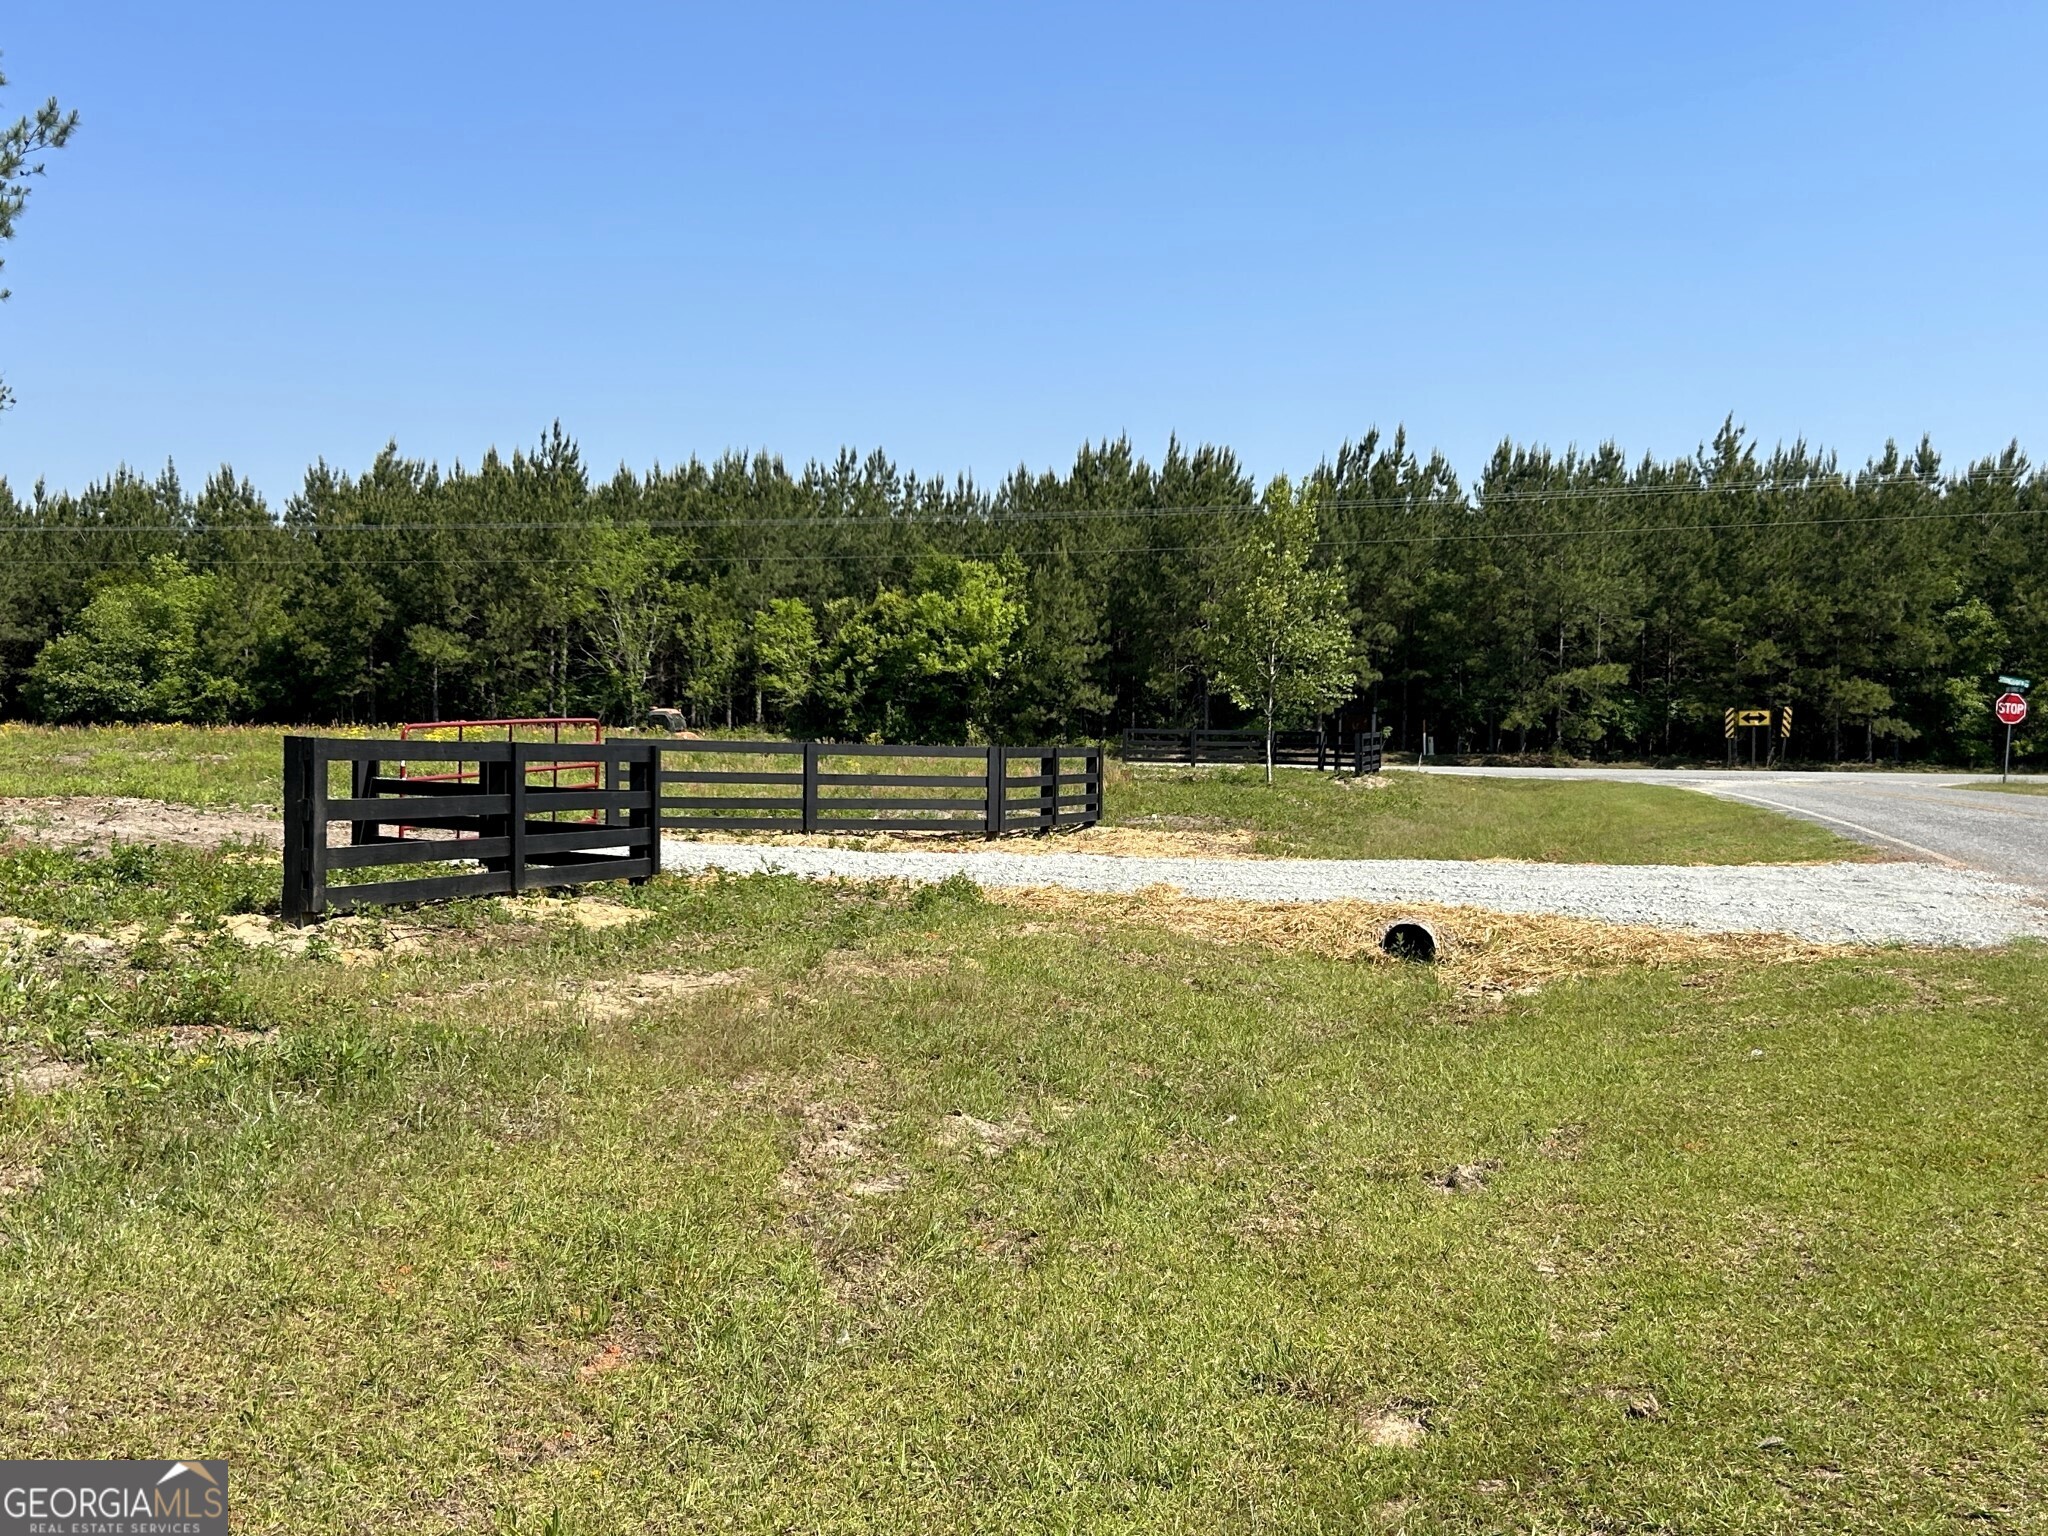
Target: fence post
[[998, 785], [810, 812], [515, 790], [1049, 792], [654, 749], [644, 816], [305, 829], [1194, 756], [362, 773]]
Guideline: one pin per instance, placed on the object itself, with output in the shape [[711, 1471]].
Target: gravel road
[[1912, 815], [1907, 903]]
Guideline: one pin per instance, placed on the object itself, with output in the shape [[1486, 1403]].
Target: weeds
[[77, 891], [943, 1214]]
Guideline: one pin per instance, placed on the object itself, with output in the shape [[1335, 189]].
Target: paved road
[[1916, 816]]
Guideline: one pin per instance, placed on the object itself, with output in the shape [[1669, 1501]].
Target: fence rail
[[1304, 749], [502, 828], [992, 790], [509, 833]]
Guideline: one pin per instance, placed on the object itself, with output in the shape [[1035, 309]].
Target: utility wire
[[321, 556]]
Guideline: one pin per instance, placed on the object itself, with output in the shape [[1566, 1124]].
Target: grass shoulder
[[1429, 816]]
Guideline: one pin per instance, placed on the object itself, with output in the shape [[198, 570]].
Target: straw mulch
[[1484, 953], [1131, 842]]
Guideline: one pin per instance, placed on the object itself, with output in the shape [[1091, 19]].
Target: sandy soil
[[97, 822]]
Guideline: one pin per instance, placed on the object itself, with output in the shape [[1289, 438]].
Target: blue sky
[[976, 236]]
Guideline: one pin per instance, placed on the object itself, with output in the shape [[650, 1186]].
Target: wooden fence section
[[485, 813], [514, 834], [1306, 749], [1367, 751], [812, 787]]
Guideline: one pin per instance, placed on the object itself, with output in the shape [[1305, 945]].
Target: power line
[[316, 560]]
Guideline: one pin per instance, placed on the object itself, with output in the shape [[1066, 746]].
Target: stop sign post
[[2011, 708]]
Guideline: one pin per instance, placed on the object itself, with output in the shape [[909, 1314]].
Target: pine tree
[[21, 142]]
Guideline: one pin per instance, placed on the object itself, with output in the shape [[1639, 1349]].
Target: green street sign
[[2015, 682]]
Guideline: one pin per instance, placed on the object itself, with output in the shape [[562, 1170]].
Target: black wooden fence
[[1304, 749], [991, 790], [476, 805]]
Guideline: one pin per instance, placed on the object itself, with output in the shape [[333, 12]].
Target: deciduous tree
[[1279, 636]]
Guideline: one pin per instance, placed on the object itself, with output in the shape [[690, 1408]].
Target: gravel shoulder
[[1886, 903]]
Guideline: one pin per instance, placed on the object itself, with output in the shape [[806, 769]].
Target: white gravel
[[1902, 903]]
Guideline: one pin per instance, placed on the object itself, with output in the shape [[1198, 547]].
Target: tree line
[[1575, 602]]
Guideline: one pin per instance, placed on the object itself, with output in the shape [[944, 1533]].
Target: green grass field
[[1302, 814], [2017, 787], [919, 1216], [188, 764], [1432, 816]]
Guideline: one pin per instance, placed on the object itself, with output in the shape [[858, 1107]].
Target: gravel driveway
[[1907, 903]]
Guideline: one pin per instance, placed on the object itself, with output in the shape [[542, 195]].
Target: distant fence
[[482, 811], [992, 790], [1307, 749]]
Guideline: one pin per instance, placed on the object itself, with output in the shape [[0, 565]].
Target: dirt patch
[[20, 1181], [520, 1451], [1283, 1218], [1566, 1144], [88, 946], [1485, 953], [351, 940], [882, 1184], [354, 940], [831, 1141], [1463, 1178], [48, 1077], [1017, 1247], [612, 1355], [608, 999], [1401, 1425], [833, 1173], [856, 965], [95, 823], [578, 911], [1371, 781], [987, 1138]]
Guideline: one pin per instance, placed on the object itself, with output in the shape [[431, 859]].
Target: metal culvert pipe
[[1410, 938]]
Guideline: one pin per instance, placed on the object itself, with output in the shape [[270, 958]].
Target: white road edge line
[[1853, 826]]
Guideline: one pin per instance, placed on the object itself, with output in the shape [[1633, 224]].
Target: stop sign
[[2011, 709]]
